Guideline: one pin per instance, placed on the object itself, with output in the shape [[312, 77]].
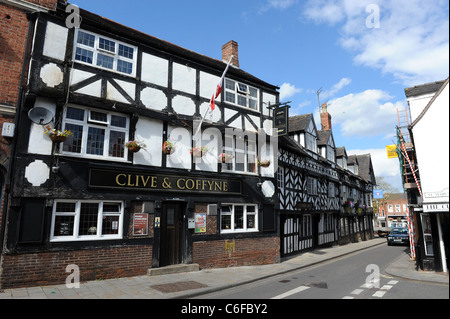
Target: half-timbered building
[[93, 201], [321, 200]]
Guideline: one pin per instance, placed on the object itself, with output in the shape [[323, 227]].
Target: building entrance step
[[173, 269]]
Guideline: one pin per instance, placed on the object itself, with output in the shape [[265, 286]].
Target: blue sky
[[363, 54]]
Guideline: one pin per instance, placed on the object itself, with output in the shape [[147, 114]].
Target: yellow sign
[[392, 151]]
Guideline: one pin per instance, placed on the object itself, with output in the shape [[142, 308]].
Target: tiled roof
[[424, 88], [299, 122]]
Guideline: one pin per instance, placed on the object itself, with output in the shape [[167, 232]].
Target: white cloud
[[364, 114], [277, 4], [304, 103], [411, 43], [336, 88], [288, 90], [382, 166]]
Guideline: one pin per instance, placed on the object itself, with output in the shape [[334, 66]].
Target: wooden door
[[171, 234]]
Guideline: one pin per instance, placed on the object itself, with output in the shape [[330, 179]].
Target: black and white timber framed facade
[[91, 202], [324, 199]]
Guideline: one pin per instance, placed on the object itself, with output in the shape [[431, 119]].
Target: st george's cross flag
[[219, 88], [215, 95]]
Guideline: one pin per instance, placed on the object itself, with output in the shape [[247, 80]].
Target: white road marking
[[348, 297], [291, 292], [393, 282], [386, 287], [357, 291], [379, 294]]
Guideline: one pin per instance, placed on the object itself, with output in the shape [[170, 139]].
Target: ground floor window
[[86, 220], [238, 218]]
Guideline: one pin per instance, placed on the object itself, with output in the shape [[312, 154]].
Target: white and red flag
[[215, 95], [220, 86]]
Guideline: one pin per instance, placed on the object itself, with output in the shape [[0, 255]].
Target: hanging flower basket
[[58, 136], [224, 157], [358, 208], [168, 148], [135, 146], [199, 151], [264, 163], [348, 205]]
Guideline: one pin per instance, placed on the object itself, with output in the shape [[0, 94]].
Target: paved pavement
[[187, 285]]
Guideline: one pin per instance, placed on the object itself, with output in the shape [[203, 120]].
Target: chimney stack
[[229, 49], [325, 117]]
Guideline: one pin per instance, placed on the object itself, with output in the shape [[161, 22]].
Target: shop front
[[115, 221]]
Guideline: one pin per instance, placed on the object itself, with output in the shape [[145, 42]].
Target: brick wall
[[238, 252], [27, 270], [13, 38], [49, 4]]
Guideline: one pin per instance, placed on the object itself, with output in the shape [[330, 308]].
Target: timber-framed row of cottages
[[325, 196], [112, 210]]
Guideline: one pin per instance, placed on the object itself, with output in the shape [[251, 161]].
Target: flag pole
[[215, 95]]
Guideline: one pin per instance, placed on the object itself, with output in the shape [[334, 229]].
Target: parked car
[[398, 236]]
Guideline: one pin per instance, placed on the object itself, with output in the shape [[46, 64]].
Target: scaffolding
[[408, 167]]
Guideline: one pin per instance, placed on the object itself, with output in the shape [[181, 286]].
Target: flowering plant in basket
[[199, 151], [264, 163], [135, 146], [225, 157], [168, 147], [57, 135]]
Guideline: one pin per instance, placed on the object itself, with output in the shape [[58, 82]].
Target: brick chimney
[[229, 49], [325, 117]]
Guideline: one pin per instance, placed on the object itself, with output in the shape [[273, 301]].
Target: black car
[[398, 236]]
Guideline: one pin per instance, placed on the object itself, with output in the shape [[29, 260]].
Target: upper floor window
[[312, 186], [311, 142], [96, 134], [105, 53], [241, 94], [244, 158], [330, 154]]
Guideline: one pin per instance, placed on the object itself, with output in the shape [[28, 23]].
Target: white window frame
[[244, 91], [246, 213], [87, 123], [96, 50], [249, 157], [77, 217]]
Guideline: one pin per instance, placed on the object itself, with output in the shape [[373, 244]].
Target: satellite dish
[[41, 116]]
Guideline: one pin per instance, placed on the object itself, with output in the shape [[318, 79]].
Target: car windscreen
[[399, 231]]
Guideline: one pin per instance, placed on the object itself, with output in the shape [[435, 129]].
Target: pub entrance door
[[171, 234]]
